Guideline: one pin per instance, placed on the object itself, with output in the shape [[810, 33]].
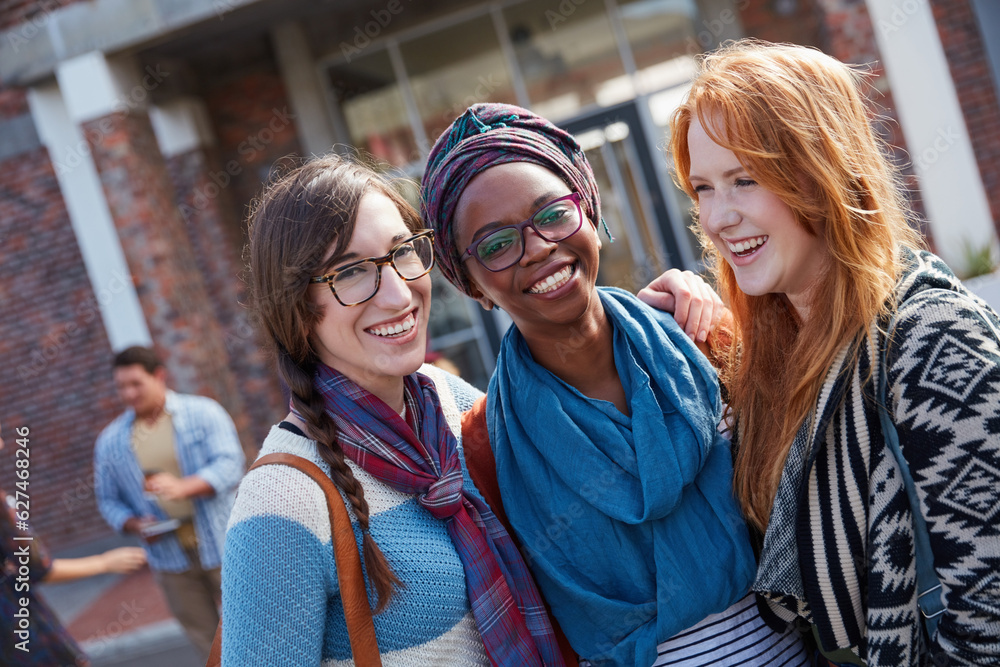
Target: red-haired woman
[[849, 338]]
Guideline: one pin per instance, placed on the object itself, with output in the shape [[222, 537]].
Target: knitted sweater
[[280, 596], [839, 548]]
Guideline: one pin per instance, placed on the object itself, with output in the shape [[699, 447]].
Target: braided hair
[[293, 223]]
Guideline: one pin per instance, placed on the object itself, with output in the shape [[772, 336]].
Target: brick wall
[[54, 352], [55, 375], [216, 232], [13, 102], [977, 94], [843, 29], [255, 134], [171, 289], [803, 25], [253, 124]]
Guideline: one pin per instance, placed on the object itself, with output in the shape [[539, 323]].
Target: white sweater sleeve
[[278, 571]]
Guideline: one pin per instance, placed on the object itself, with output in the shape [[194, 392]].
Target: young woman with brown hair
[[837, 312], [339, 268]]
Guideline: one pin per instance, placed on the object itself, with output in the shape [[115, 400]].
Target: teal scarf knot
[[628, 523]]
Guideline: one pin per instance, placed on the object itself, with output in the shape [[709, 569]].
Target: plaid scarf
[[421, 457]]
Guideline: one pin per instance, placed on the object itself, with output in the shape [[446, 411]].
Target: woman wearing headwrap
[[602, 415]]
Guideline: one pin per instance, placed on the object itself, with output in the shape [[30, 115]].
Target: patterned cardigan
[[839, 549]]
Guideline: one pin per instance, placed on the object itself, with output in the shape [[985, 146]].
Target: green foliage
[[979, 260]]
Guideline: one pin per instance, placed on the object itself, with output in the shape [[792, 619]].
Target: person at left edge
[[30, 632], [171, 456]]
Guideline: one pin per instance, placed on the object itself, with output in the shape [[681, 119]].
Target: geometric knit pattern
[[280, 593], [855, 529]]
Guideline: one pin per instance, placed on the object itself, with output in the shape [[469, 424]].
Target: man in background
[[166, 470]]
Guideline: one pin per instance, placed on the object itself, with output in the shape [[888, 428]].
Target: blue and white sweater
[[280, 596]]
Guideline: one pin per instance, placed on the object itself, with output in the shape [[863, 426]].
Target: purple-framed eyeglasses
[[502, 248]]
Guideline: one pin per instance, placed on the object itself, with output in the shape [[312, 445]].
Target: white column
[[305, 93], [90, 217], [94, 86], [181, 125], [931, 119]]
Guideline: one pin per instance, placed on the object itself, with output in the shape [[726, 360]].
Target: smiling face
[[377, 342], [552, 285], [752, 228]]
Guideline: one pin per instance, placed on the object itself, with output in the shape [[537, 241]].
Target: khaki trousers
[[193, 598]]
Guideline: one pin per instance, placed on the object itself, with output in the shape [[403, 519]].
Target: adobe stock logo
[[900, 15], [363, 35]]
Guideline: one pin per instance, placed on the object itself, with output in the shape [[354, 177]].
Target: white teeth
[[555, 281], [748, 244], [395, 329]]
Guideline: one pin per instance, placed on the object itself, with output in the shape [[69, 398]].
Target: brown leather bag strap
[[357, 611], [479, 459]]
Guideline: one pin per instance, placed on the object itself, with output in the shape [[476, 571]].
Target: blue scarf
[[628, 523]]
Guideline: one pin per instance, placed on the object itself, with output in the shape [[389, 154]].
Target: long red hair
[[798, 123]]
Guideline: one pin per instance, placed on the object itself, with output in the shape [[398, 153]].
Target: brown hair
[[138, 355], [798, 123], [292, 225]]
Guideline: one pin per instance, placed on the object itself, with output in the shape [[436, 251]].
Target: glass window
[[661, 34], [567, 55], [456, 331], [373, 108], [453, 68], [635, 257], [661, 106]]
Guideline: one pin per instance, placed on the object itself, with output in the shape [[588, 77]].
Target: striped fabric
[[207, 445], [421, 457], [850, 518], [736, 636]]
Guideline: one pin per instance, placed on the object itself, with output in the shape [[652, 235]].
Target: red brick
[[977, 94], [54, 355]]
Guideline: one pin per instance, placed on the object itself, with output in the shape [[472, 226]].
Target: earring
[[607, 231]]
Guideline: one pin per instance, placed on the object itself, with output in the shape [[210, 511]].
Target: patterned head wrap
[[484, 136]]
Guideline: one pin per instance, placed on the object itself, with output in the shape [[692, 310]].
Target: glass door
[[632, 199]]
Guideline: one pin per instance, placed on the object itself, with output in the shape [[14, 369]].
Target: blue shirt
[[206, 445]]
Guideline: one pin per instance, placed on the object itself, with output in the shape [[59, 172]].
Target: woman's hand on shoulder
[[696, 307]]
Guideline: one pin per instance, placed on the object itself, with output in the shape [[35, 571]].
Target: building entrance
[[632, 198]]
